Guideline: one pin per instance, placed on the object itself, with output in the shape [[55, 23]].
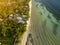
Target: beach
[[41, 31], [41, 34], [25, 35]]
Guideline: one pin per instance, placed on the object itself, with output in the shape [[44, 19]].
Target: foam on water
[[51, 19]]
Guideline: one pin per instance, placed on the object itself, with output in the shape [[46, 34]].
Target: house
[[17, 11], [1, 19], [26, 6], [11, 16], [19, 18], [21, 21], [0, 43], [17, 14], [24, 16]]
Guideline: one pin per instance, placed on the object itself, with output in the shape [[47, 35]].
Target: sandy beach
[[41, 34], [25, 35]]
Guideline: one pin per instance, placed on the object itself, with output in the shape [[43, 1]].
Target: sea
[[50, 12]]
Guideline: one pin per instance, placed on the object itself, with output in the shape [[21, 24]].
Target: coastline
[[25, 35]]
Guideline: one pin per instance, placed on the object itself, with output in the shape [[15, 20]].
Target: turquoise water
[[53, 4], [51, 22]]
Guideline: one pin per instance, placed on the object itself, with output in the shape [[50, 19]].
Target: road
[[39, 33]]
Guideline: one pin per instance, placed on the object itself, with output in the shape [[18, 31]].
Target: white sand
[[25, 35]]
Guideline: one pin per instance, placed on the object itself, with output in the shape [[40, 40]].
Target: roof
[[19, 18], [1, 19], [24, 15], [11, 15]]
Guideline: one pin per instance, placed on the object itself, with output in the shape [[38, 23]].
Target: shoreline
[[25, 35]]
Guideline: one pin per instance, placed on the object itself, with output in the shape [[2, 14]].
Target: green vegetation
[[6, 41], [11, 29], [10, 9]]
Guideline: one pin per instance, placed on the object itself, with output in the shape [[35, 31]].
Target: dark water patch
[[55, 26], [55, 29], [44, 23], [49, 17], [40, 13], [37, 4], [51, 7], [29, 38], [57, 16]]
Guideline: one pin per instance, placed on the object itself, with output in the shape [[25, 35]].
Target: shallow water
[[44, 27], [53, 6], [47, 14]]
